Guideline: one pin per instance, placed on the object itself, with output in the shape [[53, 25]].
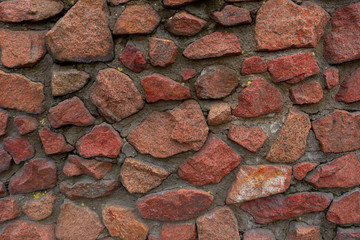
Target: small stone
[[300, 170], [219, 113], [347, 234], [3, 122], [102, 141], [54, 143], [140, 177], [67, 81], [216, 82], [259, 98], [128, 150], [174, 205], [217, 44], [290, 143], [158, 87], [77, 223], [123, 223], [89, 190], [349, 88], [3, 192], [5, 160], [299, 231], [115, 95], [20, 229], [219, 224], [19, 148], [253, 182], [259, 233], [117, 2], [251, 138], [306, 93], [253, 65], [162, 52], [40, 208], [293, 68], [25, 124], [231, 15], [185, 231], [331, 77], [137, 19], [188, 73], [9, 209], [177, 3], [345, 209], [184, 24], [208, 166], [132, 58]]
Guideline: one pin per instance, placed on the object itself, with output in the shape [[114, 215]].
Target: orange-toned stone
[[20, 229], [300, 170], [9, 209], [345, 209], [300, 231], [219, 113], [184, 24], [251, 138], [25, 124], [306, 93], [162, 52], [54, 143], [186, 231], [117, 2], [259, 233], [40, 208], [231, 15], [89, 189]]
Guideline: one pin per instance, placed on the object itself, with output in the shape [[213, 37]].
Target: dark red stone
[[177, 3], [231, 15], [300, 230], [260, 234], [331, 77], [300, 170], [187, 74], [24, 230], [306, 93], [5, 160], [54, 143], [348, 234], [132, 58], [89, 189], [162, 52], [345, 209], [251, 138], [3, 122], [19, 148], [184, 24], [253, 65], [25, 124], [185, 231], [9, 209], [349, 90]]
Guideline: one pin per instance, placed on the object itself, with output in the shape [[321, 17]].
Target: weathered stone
[[219, 224], [300, 170], [5, 160], [253, 65], [213, 162], [140, 177], [347, 234], [306, 93], [164, 134], [231, 15], [25, 124], [20, 93], [89, 189], [299, 231], [132, 58], [117, 2], [9, 209], [158, 87], [219, 113], [259, 98], [40, 208], [174, 205], [115, 95], [77, 223], [162, 52], [345, 209], [19, 148], [3, 122], [24, 230], [122, 222], [83, 34], [177, 3], [290, 143], [54, 143], [259, 233], [216, 82], [137, 19], [184, 231], [35, 175], [331, 77], [251, 138], [184, 24], [67, 81], [271, 209], [217, 44], [3, 192], [188, 73], [282, 24], [349, 88]]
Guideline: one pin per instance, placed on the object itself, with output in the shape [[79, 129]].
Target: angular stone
[[219, 113], [341, 44], [25, 124], [102, 141], [347, 234], [349, 88], [21, 93], [300, 170], [271, 209], [184, 24], [253, 182], [20, 229], [117, 2], [115, 95], [299, 231], [177, 3], [293, 68], [3, 122], [253, 65], [140, 177], [259, 233], [132, 58], [162, 52], [21, 48], [67, 81], [9, 209], [282, 24], [174, 205], [217, 44], [345, 209], [213, 162], [158, 87], [83, 34], [338, 131], [251, 138], [89, 189], [306, 93], [137, 19], [290, 143], [231, 15], [164, 134], [35, 175], [183, 231], [188, 73], [216, 82], [331, 77], [29, 10], [76, 165], [54, 143], [259, 98], [40, 208], [219, 224], [19, 148], [77, 223], [3, 192], [122, 222], [5, 160]]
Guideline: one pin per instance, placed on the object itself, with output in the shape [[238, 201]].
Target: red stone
[[54, 143], [290, 143], [137, 19], [259, 98], [174, 205], [3, 122], [35, 175], [132, 58], [64, 81], [188, 73], [331, 77], [338, 131], [185, 231], [184, 24], [89, 189], [253, 65], [219, 113], [40, 208], [19, 148], [158, 87], [24, 230], [260, 234], [83, 34], [20, 93], [5, 160], [162, 52], [300, 170], [341, 44], [347, 234], [251, 138], [25, 124], [219, 224], [293, 68], [231, 15], [115, 95], [300, 230], [3, 192], [282, 24], [345, 209], [217, 44], [271, 209], [117, 2], [164, 134], [306, 93], [349, 88], [177, 3], [9, 209]]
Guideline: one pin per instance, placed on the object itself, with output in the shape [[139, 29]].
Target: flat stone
[[177, 3], [187, 73], [174, 205], [185, 231], [253, 65], [231, 15], [25, 124], [347, 234], [9, 209], [290, 143], [5, 160], [219, 113], [259, 233], [89, 189], [83, 34], [54, 143], [331, 77], [300, 230], [40, 208], [19, 148], [251, 138], [3, 191], [164, 134], [132, 58], [67, 81], [184, 24], [209, 165], [20, 229], [306, 93], [115, 95], [117, 2], [345, 209], [4, 116], [162, 52], [301, 170], [349, 88]]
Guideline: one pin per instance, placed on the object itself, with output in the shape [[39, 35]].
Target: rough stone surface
[[349, 88], [24, 230], [259, 233], [19, 148], [9, 209], [54, 143], [347, 234], [231, 15], [3, 192], [117, 2], [40, 208], [299, 231], [25, 124], [219, 113], [67, 81], [132, 58], [89, 189], [184, 24], [306, 93], [177, 3], [188, 73], [345, 209], [253, 65], [5, 160], [185, 231], [162, 52], [251, 138], [4, 116], [300, 170], [331, 77]]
